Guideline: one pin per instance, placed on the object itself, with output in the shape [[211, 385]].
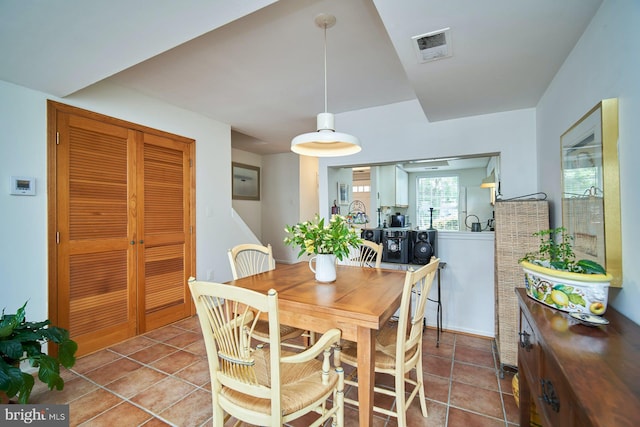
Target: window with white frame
[[441, 194]]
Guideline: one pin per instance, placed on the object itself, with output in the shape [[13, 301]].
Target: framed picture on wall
[[343, 194], [245, 182]]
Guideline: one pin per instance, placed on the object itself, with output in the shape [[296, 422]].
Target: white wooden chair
[[368, 254], [399, 347], [263, 386], [249, 259]]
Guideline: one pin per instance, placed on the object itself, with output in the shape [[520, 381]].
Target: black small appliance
[[424, 245], [395, 246], [397, 220], [371, 234]]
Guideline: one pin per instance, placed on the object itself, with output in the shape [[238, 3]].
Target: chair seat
[[385, 350], [286, 332], [300, 386]]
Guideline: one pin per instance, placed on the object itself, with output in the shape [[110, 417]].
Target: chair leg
[[338, 399], [218, 416], [337, 351], [421, 393], [401, 402]]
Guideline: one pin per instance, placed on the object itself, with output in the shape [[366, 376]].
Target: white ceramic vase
[[325, 268]]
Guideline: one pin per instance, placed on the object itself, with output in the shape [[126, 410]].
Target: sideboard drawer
[[529, 348], [553, 401]]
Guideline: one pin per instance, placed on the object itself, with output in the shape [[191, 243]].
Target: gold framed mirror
[[591, 187]]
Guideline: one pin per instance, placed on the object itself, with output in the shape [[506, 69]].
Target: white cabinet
[[393, 186], [402, 187]]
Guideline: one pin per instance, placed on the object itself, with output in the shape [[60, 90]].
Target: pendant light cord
[[325, 68]]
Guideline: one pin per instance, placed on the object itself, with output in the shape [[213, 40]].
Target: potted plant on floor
[[554, 277], [21, 340]]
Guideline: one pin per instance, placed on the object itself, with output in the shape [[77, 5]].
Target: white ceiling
[[258, 64]]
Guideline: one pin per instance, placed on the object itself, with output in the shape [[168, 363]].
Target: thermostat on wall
[[23, 185]]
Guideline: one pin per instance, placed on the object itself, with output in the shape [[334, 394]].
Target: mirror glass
[[591, 187], [460, 189]]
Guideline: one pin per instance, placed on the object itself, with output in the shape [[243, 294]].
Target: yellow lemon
[[597, 308], [560, 298]]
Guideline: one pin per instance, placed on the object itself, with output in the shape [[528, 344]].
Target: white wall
[[399, 132], [281, 205], [23, 151], [250, 210], [604, 64], [308, 187], [335, 177], [291, 195], [23, 254], [467, 294]]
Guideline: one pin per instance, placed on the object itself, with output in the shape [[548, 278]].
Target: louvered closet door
[[96, 251], [164, 194]]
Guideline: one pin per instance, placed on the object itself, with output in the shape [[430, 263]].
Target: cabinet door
[[529, 349], [402, 187], [387, 185], [163, 228], [121, 205], [94, 292], [554, 403]]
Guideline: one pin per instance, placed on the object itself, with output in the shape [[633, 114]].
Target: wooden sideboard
[[577, 375]]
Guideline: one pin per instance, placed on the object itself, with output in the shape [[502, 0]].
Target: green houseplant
[[326, 240], [317, 237], [22, 340], [554, 277]]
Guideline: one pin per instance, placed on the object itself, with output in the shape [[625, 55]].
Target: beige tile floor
[[161, 379]]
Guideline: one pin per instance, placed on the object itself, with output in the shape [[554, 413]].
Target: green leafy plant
[[21, 340], [318, 237], [556, 252]]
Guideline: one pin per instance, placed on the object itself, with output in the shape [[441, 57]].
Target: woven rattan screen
[[515, 223]]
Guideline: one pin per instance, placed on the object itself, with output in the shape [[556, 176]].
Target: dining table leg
[[366, 374]]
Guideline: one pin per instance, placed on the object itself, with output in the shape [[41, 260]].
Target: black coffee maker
[[397, 220]]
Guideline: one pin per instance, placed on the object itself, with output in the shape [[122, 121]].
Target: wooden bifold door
[[121, 226]]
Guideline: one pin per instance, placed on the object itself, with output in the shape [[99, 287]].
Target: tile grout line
[[119, 396], [453, 358], [449, 405], [125, 399], [494, 349]]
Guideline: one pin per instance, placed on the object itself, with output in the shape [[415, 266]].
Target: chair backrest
[[249, 259], [417, 285], [227, 316], [368, 254]]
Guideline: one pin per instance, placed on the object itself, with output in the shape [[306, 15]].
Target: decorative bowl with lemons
[[566, 291], [554, 277]]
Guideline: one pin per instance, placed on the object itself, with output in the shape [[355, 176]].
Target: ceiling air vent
[[433, 45]]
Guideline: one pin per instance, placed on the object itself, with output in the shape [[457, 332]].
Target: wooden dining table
[[359, 303]]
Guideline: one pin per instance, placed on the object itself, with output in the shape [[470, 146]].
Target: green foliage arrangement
[[556, 252], [21, 340], [316, 237]]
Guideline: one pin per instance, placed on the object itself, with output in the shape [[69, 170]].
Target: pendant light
[[325, 142]]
